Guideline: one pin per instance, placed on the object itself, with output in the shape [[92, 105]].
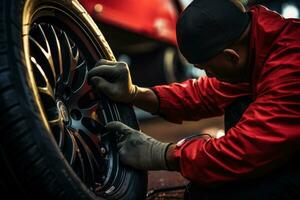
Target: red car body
[[152, 18]]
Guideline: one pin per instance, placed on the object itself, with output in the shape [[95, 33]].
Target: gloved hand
[[139, 150], [114, 80]]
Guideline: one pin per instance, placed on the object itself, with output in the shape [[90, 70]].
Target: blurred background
[[143, 34]]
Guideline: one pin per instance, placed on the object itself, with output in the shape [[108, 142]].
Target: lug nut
[[103, 150]]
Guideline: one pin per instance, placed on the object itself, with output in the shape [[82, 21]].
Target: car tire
[[51, 148]]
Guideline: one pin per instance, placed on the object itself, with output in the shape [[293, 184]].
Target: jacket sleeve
[[197, 99], [264, 139]]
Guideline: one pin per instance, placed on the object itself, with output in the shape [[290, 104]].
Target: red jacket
[[268, 133]]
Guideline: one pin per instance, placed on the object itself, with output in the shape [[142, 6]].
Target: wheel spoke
[[50, 58], [70, 60], [84, 98], [94, 145], [55, 122], [55, 50], [61, 139], [57, 128], [47, 89], [45, 52], [79, 78], [82, 64], [79, 166], [40, 48], [91, 111], [87, 156], [70, 147]]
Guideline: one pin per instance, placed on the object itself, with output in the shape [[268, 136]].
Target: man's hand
[[139, 150], [114, 80]]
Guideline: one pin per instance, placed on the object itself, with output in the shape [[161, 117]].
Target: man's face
[[225, 68]]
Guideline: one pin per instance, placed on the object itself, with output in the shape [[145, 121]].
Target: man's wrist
[[146, 99], [171, 161], [157, 158], [133, 94]]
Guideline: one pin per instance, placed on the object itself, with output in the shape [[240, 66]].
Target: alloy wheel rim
[[75, 115]]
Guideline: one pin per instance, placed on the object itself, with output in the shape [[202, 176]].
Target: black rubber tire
[[31, 156]]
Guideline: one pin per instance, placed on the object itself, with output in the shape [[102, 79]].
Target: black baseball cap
[[206, 27]]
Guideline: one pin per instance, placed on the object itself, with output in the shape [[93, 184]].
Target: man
[[254, 54]]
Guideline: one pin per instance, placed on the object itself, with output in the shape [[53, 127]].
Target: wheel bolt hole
[[103, 151], [76, 114]]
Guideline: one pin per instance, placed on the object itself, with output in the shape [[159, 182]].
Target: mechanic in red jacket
[[253, 55]]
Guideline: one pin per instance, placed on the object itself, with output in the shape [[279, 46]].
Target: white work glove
[[139, 150], [114, 80]]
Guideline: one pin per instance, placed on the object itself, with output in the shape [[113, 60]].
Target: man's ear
[[232, 56]]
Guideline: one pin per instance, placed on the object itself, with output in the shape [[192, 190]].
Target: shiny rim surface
[[60, 62]]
